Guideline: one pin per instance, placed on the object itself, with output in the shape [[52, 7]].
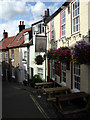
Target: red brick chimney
[[5, 34], [21, 26]]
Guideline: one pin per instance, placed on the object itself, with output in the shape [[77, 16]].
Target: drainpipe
[[89, 35], [28, 64]]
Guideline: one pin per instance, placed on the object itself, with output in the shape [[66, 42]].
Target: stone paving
[[47, 106]]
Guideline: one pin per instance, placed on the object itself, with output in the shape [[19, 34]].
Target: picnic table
[[69, 97], [54, 90], [42, 85]]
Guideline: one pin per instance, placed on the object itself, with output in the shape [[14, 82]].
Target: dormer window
[[39, 28], [26, 37]]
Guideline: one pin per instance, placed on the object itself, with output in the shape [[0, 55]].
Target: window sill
[[13, 76], [53, 79], [63, 36], [63, 83], [1, 74], [12, 60], [73, 33], [75, 90], [25, 79]]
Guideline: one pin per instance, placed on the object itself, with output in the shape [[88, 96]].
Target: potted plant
[[25, 82], [39, 60], [35, 79]]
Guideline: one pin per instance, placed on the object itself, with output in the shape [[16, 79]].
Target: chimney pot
[[21, 26], [45, 12], [5, 34], [20, 22]]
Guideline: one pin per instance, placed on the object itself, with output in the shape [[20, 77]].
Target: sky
[[29, 11]]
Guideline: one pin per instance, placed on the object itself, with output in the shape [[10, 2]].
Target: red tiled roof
[[5, 42], [19, 37]]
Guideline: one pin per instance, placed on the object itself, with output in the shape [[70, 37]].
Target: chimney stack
[[47, 13], [5, 34], [21, 26]]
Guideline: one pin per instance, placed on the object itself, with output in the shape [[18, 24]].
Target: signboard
[[40, 44]]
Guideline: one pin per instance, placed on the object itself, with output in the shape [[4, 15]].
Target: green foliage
[[35, 79], [25, 82], [88, 107]]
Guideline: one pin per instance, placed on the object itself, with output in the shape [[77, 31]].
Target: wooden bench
[[51, 99], [51, 92], [69, 97], [74, 111], [40, 86]]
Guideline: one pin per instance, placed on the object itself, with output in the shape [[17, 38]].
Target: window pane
[[78, 10], [77, 20], [76, 76], [78, 3], [73, 6], [76, 27]]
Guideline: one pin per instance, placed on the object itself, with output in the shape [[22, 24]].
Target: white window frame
[[40, 72], [75, 25], [62, 74], [52, 30], [53, 70], [63, 23], [25, 74], [6, 57], [26, 36], [75, 87], [0, 57], [25, 55], [13, 72], [12, 55]]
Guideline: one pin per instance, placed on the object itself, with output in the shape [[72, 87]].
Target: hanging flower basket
[[81, 53], [39, 60], [63, 54], [51, 54]]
